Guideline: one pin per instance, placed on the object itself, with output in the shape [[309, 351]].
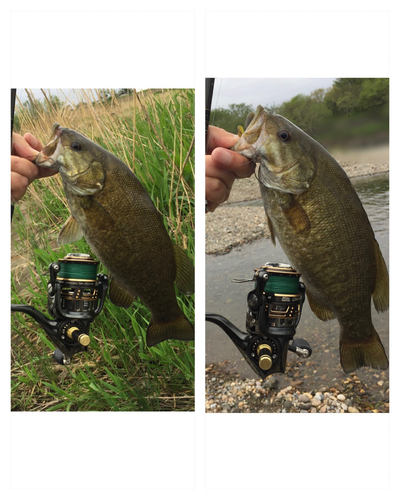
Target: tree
[[307, 112], [229, 119], [375, 92]]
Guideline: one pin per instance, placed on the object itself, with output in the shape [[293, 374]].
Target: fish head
[[79, 161], [281, 149]]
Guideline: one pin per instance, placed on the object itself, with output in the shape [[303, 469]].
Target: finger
[[214, 170], [24, 168], [211, 206], [19, 184], [33, 141], [20, 147], [218, 137], [236, 163], [216, 192]]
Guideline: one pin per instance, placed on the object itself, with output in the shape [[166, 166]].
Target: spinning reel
[[273, 313], [75, 297]]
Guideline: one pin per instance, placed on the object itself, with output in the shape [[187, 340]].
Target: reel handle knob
[[75, 334], [264, 356]]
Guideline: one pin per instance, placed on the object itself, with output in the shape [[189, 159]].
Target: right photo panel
[[297, 245]]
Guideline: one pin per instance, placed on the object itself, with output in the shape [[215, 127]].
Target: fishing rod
[[75, 296], [13, 98], [209, 94]]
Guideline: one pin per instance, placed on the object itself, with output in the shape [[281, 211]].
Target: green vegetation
[[153, 133], [352, 111]]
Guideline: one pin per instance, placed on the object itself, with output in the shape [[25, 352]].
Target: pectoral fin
[[184, 271], [70, 231], [119, 296], [295, 214]]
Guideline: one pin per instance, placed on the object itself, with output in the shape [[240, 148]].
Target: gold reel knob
[[82, 338], [265, 360]]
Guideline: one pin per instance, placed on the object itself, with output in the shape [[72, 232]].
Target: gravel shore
[[234, 223], [229, 393]]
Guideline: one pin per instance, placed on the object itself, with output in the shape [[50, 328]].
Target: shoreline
[[233, 225]]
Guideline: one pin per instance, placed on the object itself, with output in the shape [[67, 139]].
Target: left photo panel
[[102, 249]]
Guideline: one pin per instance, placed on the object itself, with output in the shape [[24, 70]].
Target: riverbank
[[234, 223], [230, 393]]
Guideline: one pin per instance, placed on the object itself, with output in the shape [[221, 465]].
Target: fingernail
[[225, 157]]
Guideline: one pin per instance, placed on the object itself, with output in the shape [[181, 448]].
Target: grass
[[153, 133]]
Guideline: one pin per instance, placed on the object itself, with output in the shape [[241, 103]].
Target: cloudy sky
[[253, 91], [268, 91]]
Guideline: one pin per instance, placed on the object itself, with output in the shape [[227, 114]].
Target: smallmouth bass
[[315, 213], [119, 221]]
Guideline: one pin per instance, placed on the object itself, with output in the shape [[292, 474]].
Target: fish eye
[[76, 146], [284, 135]]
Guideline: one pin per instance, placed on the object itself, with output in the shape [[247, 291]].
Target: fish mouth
[[47, 158], [254, 137]]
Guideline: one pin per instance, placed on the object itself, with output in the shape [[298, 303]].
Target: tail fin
[[354, 355], [179, 329]]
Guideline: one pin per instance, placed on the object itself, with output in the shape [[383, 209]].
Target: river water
[[229, 299]]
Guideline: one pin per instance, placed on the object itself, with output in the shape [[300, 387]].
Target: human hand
[[23, 171], [223, 166]]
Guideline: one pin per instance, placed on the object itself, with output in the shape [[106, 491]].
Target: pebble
[[352, 409], [227, 393]]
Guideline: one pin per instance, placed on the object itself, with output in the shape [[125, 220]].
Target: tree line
[[347, 97]]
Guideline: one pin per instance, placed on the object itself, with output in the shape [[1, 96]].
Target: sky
[[253, 91], [264, 91], [62, 94]]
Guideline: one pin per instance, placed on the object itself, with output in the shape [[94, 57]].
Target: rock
[[287, 404], [352, 409], [271, 383], [305, 406], [303, 398], [315, 401], [341, 397]]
